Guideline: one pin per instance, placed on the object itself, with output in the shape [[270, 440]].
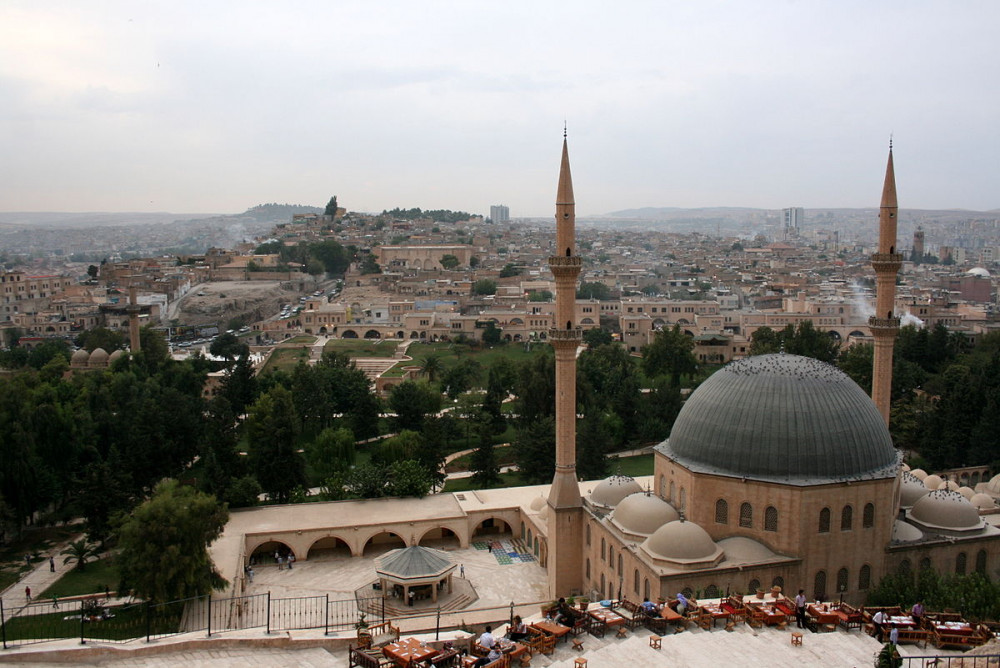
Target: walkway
[[39, 579]]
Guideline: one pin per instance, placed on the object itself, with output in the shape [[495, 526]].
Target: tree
[[593, 290], [509, 270], [492, 335], [597, 336], [369, 265], [483, 464], [92, 271], [164, 544], [534, 451], [80, 552], [432, 367], [229, 347], [412, 402], [408, 478], [484, 286], [449, 261], [101, 337], [332, 452], [670, 353], [331, 207], [271, 431]]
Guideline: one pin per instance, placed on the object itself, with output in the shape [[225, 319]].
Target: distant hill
[[673, 212], [279, 212]]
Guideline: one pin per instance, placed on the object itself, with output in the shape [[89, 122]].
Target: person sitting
[[518, 630], [486, 640], [648, 606], [683, 604], [488, 659], [560, 613]]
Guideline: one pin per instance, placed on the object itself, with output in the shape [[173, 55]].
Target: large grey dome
[[782, 418]]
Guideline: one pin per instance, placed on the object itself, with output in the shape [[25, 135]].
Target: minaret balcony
[[886, 262], [883, 325], [575, 334]]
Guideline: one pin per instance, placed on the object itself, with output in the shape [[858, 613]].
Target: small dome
[[949, 485], [904, 532], [642, 513], [538, 503], [610, 491], [910, 490], [978, 271], [933, 482], [98, 358], [967, 492], [114, 356], [79, 358], [919, 473], [682, 541], [905, 467], [994, 484], [943, 509], [982, 501]]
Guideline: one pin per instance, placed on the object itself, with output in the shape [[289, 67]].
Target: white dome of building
[[904, 532], [684, 543], [949, 485], [920, 474], [933, 482], [538, 503], [967, 492], [947, 510], [642, 513], [910, 489], [610, 491], [905, 467], [994, 484], [115, 356], [79, 358], [98, 358], [978, 271], [982, 502]]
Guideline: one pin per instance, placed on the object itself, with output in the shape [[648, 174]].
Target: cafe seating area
[[941, 629]]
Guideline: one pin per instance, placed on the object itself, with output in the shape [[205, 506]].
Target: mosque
[[779, 471]]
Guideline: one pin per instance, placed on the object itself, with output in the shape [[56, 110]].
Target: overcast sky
[[215, 106]]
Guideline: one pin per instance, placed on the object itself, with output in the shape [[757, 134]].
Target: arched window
[[960, 563], [778, 582], [819, 586], [746, 515], [588, 568], [842, 580], [635, 582], [904, 566], [603, 547], [683, 501], [522, 530], [663, 487], [771, 519], [711, 591], [588, 534], [846, 518], [824, 520], [673, 490], [925, 564], [721, 512], [645, 587], [688, 592], [603, 585], [611, 556], [529, 537], [753, 586], [868, 520], [865, 578], [981, 562], [620, 565]]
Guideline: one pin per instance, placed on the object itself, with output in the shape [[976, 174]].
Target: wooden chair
[[797, 638], [622, 632], [654, 641], [577, 644]]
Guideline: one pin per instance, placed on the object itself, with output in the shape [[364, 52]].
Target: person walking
[[27, 593], [250, 574], [291, 560], [52, 564], [800, 609], [461, 570]]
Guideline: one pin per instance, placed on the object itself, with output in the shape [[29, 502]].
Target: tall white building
[[499, 213], [794, 217]]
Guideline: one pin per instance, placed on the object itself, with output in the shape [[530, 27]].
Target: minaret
[[884, 325], [133, 320], [565, 522]]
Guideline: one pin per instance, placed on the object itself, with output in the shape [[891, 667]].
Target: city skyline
[[195, 108]]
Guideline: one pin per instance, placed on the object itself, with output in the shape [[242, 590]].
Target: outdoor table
[[512, 649], [408, 651], [823, 614], [551, 628], [609, 617], [900, 621], [716, 611], [670, 614], [957, 628]]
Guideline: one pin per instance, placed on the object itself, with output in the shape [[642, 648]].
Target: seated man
[[488, 659], [486, 640], [683, 605], [648, 607], [561, 613]]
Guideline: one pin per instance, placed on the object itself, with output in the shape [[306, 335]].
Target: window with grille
[[771, 519], [746, 515], [688, 592], [865, 577], [683, 501], [753, 586], [842, 580], [819, 586], [960, 563], [721, 512], [981, 562], [846, 518], [711, 591], [904, 566], [778, 582], [925, 564], [824, 520], [868, 521]]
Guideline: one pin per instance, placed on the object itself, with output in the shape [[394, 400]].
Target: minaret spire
[[565, 543], [886, 262]]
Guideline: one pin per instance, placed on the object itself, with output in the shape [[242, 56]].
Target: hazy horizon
[[122, 107]]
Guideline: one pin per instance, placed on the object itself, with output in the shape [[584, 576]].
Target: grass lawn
[[634, 466], [92, 580], [285, 358], [511, 479], [34, 541], [363, 347], [126, 622], [452, 353]]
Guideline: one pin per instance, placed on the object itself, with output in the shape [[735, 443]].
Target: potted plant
[[583, 602]]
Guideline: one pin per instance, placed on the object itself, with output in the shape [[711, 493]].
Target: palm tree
[[81, 552], [432, 367]]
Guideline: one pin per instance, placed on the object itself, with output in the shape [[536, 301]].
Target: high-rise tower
[[565, 520], [133, 320], [886, 262]]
